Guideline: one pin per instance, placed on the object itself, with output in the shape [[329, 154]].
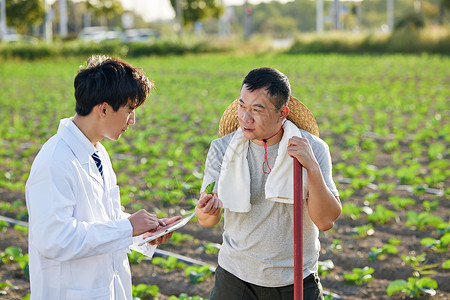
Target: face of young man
[[117, 122], [257, 115]]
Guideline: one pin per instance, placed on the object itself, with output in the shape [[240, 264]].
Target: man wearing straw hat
[[252, 164]]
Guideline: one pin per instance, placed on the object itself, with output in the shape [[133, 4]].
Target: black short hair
[[110, 80], [275, 82]]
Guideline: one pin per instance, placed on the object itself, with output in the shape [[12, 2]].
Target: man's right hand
[[208, 209], [143, 221]]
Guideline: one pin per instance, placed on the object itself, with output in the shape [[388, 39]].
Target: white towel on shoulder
[[234, 180]]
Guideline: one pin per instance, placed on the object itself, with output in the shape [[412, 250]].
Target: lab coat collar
[[80, 145]]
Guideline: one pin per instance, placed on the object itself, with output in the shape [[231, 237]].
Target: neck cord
[[266, 160]]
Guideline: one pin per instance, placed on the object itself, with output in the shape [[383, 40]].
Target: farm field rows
[[385, 118]]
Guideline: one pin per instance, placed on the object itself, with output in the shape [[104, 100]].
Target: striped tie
[[98, 162]]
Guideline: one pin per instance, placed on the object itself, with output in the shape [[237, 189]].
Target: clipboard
[[172, 227]]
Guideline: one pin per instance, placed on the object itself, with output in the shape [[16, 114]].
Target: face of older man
[[258, 117]]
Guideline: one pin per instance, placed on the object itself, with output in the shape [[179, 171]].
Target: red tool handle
[[298, 231]]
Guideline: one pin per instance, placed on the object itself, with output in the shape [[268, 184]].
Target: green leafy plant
[[11, 207], [136, 206], [400, 202], [346, 194], [371, 197], [359, 183], [421, 220], [197, 274], [160, 213], [381, 215], [336, 245], [394, 241], [178, 237], [446, 264], [352, 210], [379, 253], [363, 231], [359, 276], [386, 187], [3, 225], [328, 297], [390, 146], [135, 257], [418, 263], [14, 254], [430, 205], [21, 229], [414, 287], [144, 291], [325, 267], [212, 248], [438, 245], [27, 297], [437, 151], [5, 285], [168, 264]]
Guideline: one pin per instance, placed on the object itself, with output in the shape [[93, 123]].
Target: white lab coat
[[79, 236]]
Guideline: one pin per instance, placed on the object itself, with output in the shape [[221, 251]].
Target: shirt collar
[[77, 141]]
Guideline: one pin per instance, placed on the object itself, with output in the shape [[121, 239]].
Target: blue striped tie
[[98, 162]]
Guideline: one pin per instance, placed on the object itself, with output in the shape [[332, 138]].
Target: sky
[[152, 10]]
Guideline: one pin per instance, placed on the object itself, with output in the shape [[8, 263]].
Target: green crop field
[[386, 119]]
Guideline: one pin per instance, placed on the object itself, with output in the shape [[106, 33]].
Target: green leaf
[[368, 270], [3, 225], [135, 257], [13, 251], [394, 241], [144, 290], [27, 297], [446, 264], [197, 274], [210, 187], [396, 286], [428, 241], [426, 282], [4, 285], [374, 253], [445, 239]]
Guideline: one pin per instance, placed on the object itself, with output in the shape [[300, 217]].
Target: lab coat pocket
[[51, 271], [102, 293]]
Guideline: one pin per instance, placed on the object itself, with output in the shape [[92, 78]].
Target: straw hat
[[299, 114]]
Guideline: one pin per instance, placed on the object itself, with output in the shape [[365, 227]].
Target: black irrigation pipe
[[158, 252]]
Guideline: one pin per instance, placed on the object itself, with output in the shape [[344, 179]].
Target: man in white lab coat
[[78, 236]]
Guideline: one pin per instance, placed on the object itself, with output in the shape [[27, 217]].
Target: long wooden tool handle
[[298, 231]]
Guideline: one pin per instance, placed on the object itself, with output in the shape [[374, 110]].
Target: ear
[[102, 109], [284, 112]]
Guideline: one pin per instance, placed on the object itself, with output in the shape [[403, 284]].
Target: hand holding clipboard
[[148, 237]]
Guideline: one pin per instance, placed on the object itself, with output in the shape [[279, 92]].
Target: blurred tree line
[[273, 18], [28, 16], [297, 16]]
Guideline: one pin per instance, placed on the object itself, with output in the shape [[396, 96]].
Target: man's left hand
[[162, 239]]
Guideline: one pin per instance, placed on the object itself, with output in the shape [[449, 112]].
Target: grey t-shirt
[[258, 246]]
